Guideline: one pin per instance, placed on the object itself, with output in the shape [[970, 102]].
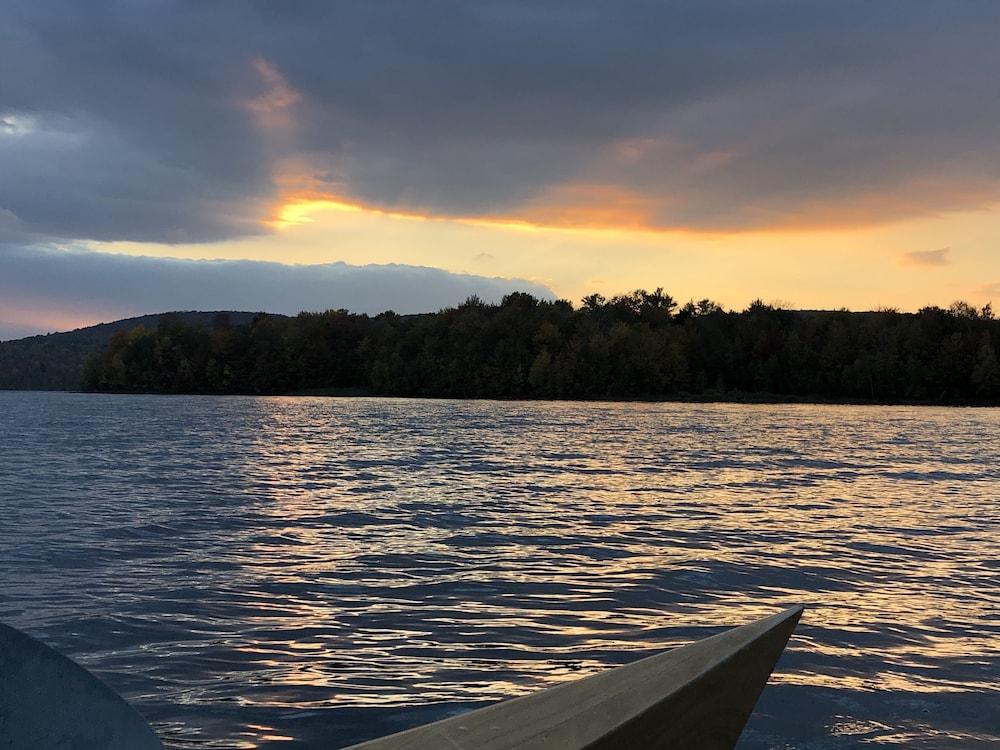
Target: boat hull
[[696, 696]]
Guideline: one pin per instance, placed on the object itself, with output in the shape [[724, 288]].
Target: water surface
[[308, 573]]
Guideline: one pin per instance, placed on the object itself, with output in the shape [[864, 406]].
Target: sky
[[396, 155]]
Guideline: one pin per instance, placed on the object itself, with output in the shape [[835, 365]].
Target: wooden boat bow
[[695, 696]]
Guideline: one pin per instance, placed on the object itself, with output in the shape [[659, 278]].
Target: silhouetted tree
[[636, 345]]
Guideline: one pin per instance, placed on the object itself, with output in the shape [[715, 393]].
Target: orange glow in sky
[[301, 209], [612, 210], [903, 248], [905, 264]]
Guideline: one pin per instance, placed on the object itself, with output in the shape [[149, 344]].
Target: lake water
[[308, 573]]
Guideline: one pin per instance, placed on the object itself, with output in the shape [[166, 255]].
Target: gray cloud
[[939, 257], [150, 121], [39, 285]]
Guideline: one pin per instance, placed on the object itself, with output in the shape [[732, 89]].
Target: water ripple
[[305, 573]]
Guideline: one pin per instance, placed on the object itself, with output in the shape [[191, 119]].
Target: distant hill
[[54, 361], [641, 345]]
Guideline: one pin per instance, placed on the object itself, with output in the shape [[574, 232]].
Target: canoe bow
[[695, 696]]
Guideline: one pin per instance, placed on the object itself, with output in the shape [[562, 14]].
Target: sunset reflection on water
[[312, 572]]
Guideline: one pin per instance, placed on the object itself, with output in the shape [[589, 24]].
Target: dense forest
[[55, 361], [641, 345]]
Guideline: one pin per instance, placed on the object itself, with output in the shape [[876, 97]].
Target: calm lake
[[308, 573]]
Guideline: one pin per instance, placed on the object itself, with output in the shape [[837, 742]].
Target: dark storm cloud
[[170, 121], [38, 285]]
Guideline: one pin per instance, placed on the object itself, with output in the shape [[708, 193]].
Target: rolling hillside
[[54, 362]]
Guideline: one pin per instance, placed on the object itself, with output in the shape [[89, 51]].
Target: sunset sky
[[824, 154]]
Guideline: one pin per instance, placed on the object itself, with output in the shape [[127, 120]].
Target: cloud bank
[[181, 122], [43, 289]]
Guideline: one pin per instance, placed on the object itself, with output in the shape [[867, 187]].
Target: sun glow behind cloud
[[299, 209], [859, 268]]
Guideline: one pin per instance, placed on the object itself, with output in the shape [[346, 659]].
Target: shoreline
[[734, 397]]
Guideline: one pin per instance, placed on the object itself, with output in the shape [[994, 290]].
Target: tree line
[[642, 345]]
